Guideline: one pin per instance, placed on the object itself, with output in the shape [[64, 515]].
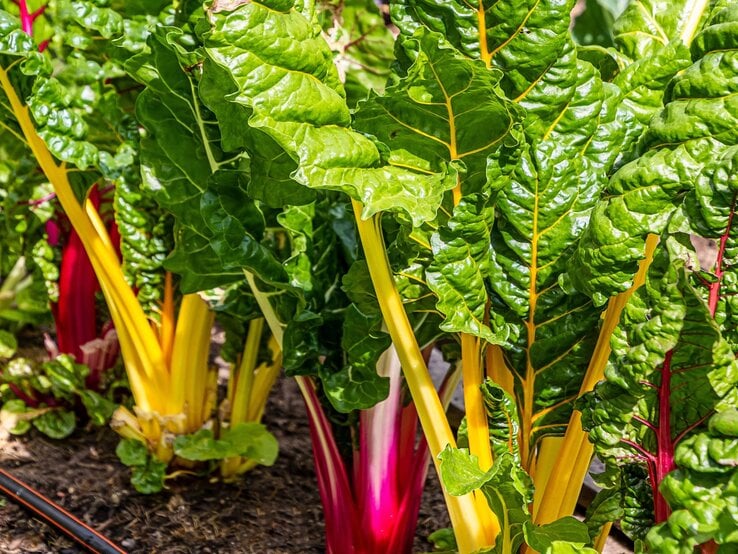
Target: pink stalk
[[715, 287], [335, 492], [376, 483], [665, 443], [377, 510], [75, 314]]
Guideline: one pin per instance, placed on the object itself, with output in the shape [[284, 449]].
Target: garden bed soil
[[270, 511]]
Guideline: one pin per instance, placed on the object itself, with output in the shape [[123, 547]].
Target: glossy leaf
[[277, 85], [680, 142]]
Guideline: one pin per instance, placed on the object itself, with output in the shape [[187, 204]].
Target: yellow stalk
[[103, 260], [264, 378], [189, 369], [497, 369], [601, 541], [240, 401], [561, 494], [99, 226], [166, 329], [126, 424], [476, 422], [210, 398], [692, 21], [548, 453], [467, 523]]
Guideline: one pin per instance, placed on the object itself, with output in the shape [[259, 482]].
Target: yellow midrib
[[530, 374], [484, 52]]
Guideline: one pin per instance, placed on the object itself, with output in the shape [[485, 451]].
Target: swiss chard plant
[[473, 177], [666, 410], [244, 223], [75, 120]]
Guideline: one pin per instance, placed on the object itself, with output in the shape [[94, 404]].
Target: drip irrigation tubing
[[56, 515]]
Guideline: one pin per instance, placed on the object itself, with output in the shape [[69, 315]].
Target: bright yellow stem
[[561, 494], [468, 524], [497, 369], [166, 329], [190, 378], [476, 423], [264, 377], [140, 344], [548, 453], [241, 398]]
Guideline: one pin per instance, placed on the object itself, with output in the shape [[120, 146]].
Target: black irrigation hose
[[56, 515]]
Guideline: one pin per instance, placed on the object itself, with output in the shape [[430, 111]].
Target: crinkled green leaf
[[693, 129], [287, 79], [666, 338], [502, 418], [149, 478], [522, 37], [132, 452], [250, 440], [703, 495], [357, 385], [99, 408], [57, 423], [216, 220]]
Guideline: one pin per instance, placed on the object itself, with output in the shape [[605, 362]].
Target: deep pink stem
[[26, 18], [715, 287], [664, 440]]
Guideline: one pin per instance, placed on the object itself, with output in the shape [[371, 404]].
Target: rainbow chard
[[241, 218], [670, 387]]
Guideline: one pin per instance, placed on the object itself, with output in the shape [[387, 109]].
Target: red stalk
[[665, 443], [715, 287], [377, 510]]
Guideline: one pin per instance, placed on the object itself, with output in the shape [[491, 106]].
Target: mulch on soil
[[273, 510]]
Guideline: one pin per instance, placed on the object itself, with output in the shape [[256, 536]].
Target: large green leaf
[[668, 358], [219, 227], [703, 492], [508, 490], [694, 128], [285, 77]]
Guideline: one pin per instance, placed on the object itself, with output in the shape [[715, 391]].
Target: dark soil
[[272, 510]]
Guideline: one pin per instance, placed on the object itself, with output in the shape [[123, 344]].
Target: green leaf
[[16, 417], [57, 423], [287, 80], [542, 538], [252, 441], [356, 385], [502, 418], [201, 446], [149, 478], [666, 337], [65, 375], [132, 452], [681, 142], [99, 408], [460, 471], [522, 37], [703, 495]]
